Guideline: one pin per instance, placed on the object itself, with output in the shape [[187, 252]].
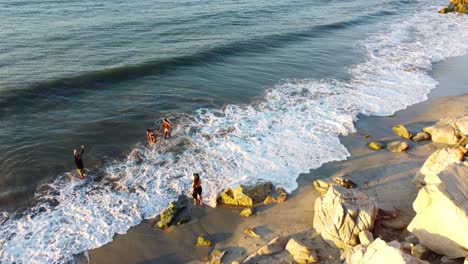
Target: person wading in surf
[[197, 189], [150, 136], [79, 162], [166, 125]]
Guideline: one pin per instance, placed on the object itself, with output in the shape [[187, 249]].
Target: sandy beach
[[381, 174]]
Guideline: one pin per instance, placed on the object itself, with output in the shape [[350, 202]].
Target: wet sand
[[381, 174]]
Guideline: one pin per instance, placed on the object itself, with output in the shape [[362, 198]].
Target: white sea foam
[[294, 128]]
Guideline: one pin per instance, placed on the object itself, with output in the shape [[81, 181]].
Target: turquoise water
[[256, 90]]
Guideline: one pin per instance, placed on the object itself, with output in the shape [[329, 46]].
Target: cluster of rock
[[460, 6], [344, 217], [448, 131], [441, 206], [399, 146]]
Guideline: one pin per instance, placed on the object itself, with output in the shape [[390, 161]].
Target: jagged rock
[[215, 257], [202, 242], [375, 145], [420, 251], [441, 221], [269, 200], [461, 124], [276, 245], [401, 131], [300, 253], [436, 163], [341, 214], [366, 237], [167, 215], [250, 232], [282, 195], [397, 146], [442, 133], [244, 195], [246, 212], [421, 136], [379, 252]]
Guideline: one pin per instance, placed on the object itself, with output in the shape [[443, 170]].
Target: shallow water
[[256, 91]]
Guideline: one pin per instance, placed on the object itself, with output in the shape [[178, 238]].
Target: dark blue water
[[99, 72]]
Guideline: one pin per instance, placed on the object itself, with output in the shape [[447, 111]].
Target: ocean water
[[256, 91]]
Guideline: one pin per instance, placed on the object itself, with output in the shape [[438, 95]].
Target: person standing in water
[[166, 125], [197, 189], [150, 136], [79, 162]]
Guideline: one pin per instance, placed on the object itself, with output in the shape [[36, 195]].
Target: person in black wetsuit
[[197, 189], [79, 162]]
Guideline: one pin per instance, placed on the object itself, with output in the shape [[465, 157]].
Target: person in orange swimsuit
[[150, 136], [166, 125]]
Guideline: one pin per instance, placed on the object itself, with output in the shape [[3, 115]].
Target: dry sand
[[381, 174]]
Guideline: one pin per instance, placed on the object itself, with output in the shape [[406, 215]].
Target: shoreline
[[381, 174]]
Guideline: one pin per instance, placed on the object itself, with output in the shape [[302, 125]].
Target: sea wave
[[294, 128]]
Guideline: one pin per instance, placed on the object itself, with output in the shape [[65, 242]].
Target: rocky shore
[[406, 204]]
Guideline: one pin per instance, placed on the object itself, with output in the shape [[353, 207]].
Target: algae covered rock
[[245, 195], [168, 215], [401, 131], [202, 242], [246, 212], [282, 195], [375, 145], [235, 197], [397, 146], [183, 221]]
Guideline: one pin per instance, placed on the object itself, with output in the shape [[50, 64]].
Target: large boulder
[[443, 132], [341, 214], [379, 252], [441, 221], [245, 195], [300, 253], [276, 245], [436, 163], [401, 131]]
